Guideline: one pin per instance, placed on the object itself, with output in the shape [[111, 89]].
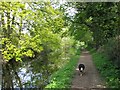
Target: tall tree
[[30, 37], [99, 18]]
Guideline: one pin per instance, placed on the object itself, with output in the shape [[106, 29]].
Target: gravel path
[[91, 79]]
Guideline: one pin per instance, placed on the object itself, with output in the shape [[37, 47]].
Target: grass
[[107, 70], [63, 77]]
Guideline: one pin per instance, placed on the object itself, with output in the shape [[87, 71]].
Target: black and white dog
[[81, 68]]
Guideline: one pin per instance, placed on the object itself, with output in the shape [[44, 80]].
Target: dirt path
[[91, 78]]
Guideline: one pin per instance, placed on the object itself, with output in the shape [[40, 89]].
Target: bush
[[107, 70], [62, 78], [112, 50]]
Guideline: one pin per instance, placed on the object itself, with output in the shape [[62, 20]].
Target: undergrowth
[[62, 78], [107, 70]]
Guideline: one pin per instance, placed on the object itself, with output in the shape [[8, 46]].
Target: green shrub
[[62, 78], [112, 50], [107, 70]]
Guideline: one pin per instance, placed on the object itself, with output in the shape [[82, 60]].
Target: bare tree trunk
[[8, 24], [3, 24], [7, 77], [18, 78], [20, 29]]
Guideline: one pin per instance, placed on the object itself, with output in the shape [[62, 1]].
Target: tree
[[30, 32], [98, 18]]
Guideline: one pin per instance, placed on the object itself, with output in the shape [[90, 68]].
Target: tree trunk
[[8, 24], [7, 77]]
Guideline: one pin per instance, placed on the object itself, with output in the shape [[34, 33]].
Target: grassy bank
[[107, 70], [62, 78]]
